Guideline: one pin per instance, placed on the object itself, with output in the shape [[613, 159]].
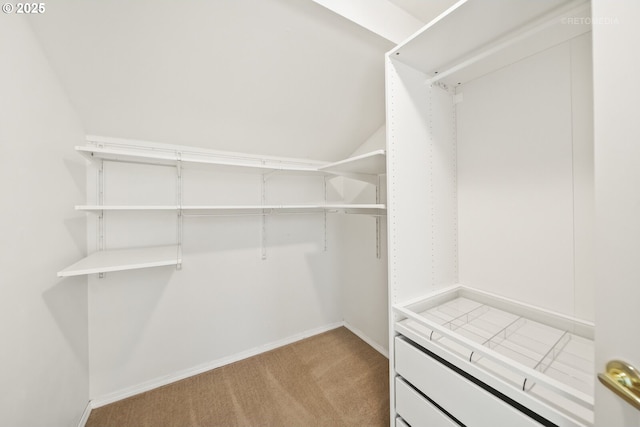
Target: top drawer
[[469, 403]]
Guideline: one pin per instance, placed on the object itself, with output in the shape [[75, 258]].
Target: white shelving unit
[[461, 112], [367, 167], [124, 259], [495, 34]]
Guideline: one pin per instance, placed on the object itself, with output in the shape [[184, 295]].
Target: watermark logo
[[24, 8], [589, 20]]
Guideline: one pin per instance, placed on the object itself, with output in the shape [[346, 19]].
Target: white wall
[[525, 180], [43, 320], [141, 327], [280, 77], [147, 326], [363, 274]]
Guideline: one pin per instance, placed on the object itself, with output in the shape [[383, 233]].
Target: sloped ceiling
[[424, 10], [278, 77]]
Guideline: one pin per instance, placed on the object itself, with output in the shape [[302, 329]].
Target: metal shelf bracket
[[179, 217]]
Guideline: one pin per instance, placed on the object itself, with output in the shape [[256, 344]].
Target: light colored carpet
[[331, 379]]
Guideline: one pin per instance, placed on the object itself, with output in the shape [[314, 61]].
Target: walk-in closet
[[320, 212]]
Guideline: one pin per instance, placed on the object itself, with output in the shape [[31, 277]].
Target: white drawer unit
[[484, 358], [417, 410], [491, 216], [470, 404]]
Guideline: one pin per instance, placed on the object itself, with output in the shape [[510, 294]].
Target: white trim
[[186, 373], [85, 415], [380, 349]]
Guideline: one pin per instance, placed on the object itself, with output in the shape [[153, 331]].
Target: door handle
[[624, 380]]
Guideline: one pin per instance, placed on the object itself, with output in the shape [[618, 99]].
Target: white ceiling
[[279, 77], [424, 10]]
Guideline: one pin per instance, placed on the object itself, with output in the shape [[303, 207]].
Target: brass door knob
[[624, 380]]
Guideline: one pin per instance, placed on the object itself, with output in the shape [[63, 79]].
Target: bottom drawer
[[417, 410], [469, 403]]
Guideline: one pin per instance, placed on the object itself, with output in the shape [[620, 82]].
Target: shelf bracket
[[101, 219], [263, 218], [324, 183], [378, 223], [179, 217], [267, 175]]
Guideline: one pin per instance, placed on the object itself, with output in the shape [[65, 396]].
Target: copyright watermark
[[24, 8], [595, 20]]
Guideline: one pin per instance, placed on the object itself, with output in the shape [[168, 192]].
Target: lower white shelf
[[527, 352], [125, 259]]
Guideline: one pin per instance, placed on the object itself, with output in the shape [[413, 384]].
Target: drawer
[[469, 403], [417, 410], [400, 423]]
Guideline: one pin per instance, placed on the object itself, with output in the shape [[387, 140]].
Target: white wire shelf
[[124, 259], [543, 354]]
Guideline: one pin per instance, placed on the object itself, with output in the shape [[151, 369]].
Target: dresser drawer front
[[470, 404], [417, 410]]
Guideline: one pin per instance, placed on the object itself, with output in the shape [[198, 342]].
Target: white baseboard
[[366, 339], [85, 415], [99, 401]]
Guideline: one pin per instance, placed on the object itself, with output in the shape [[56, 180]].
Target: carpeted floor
[[331, 379]]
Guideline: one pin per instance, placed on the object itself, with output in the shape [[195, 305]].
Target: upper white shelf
[[124, 259], [169, 158], [475, 37], [363, 167]]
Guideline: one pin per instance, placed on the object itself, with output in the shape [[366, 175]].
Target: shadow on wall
[[77, 228], [122, 306], [78, 172], [77, 224], [71, 318], [326, 282]]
